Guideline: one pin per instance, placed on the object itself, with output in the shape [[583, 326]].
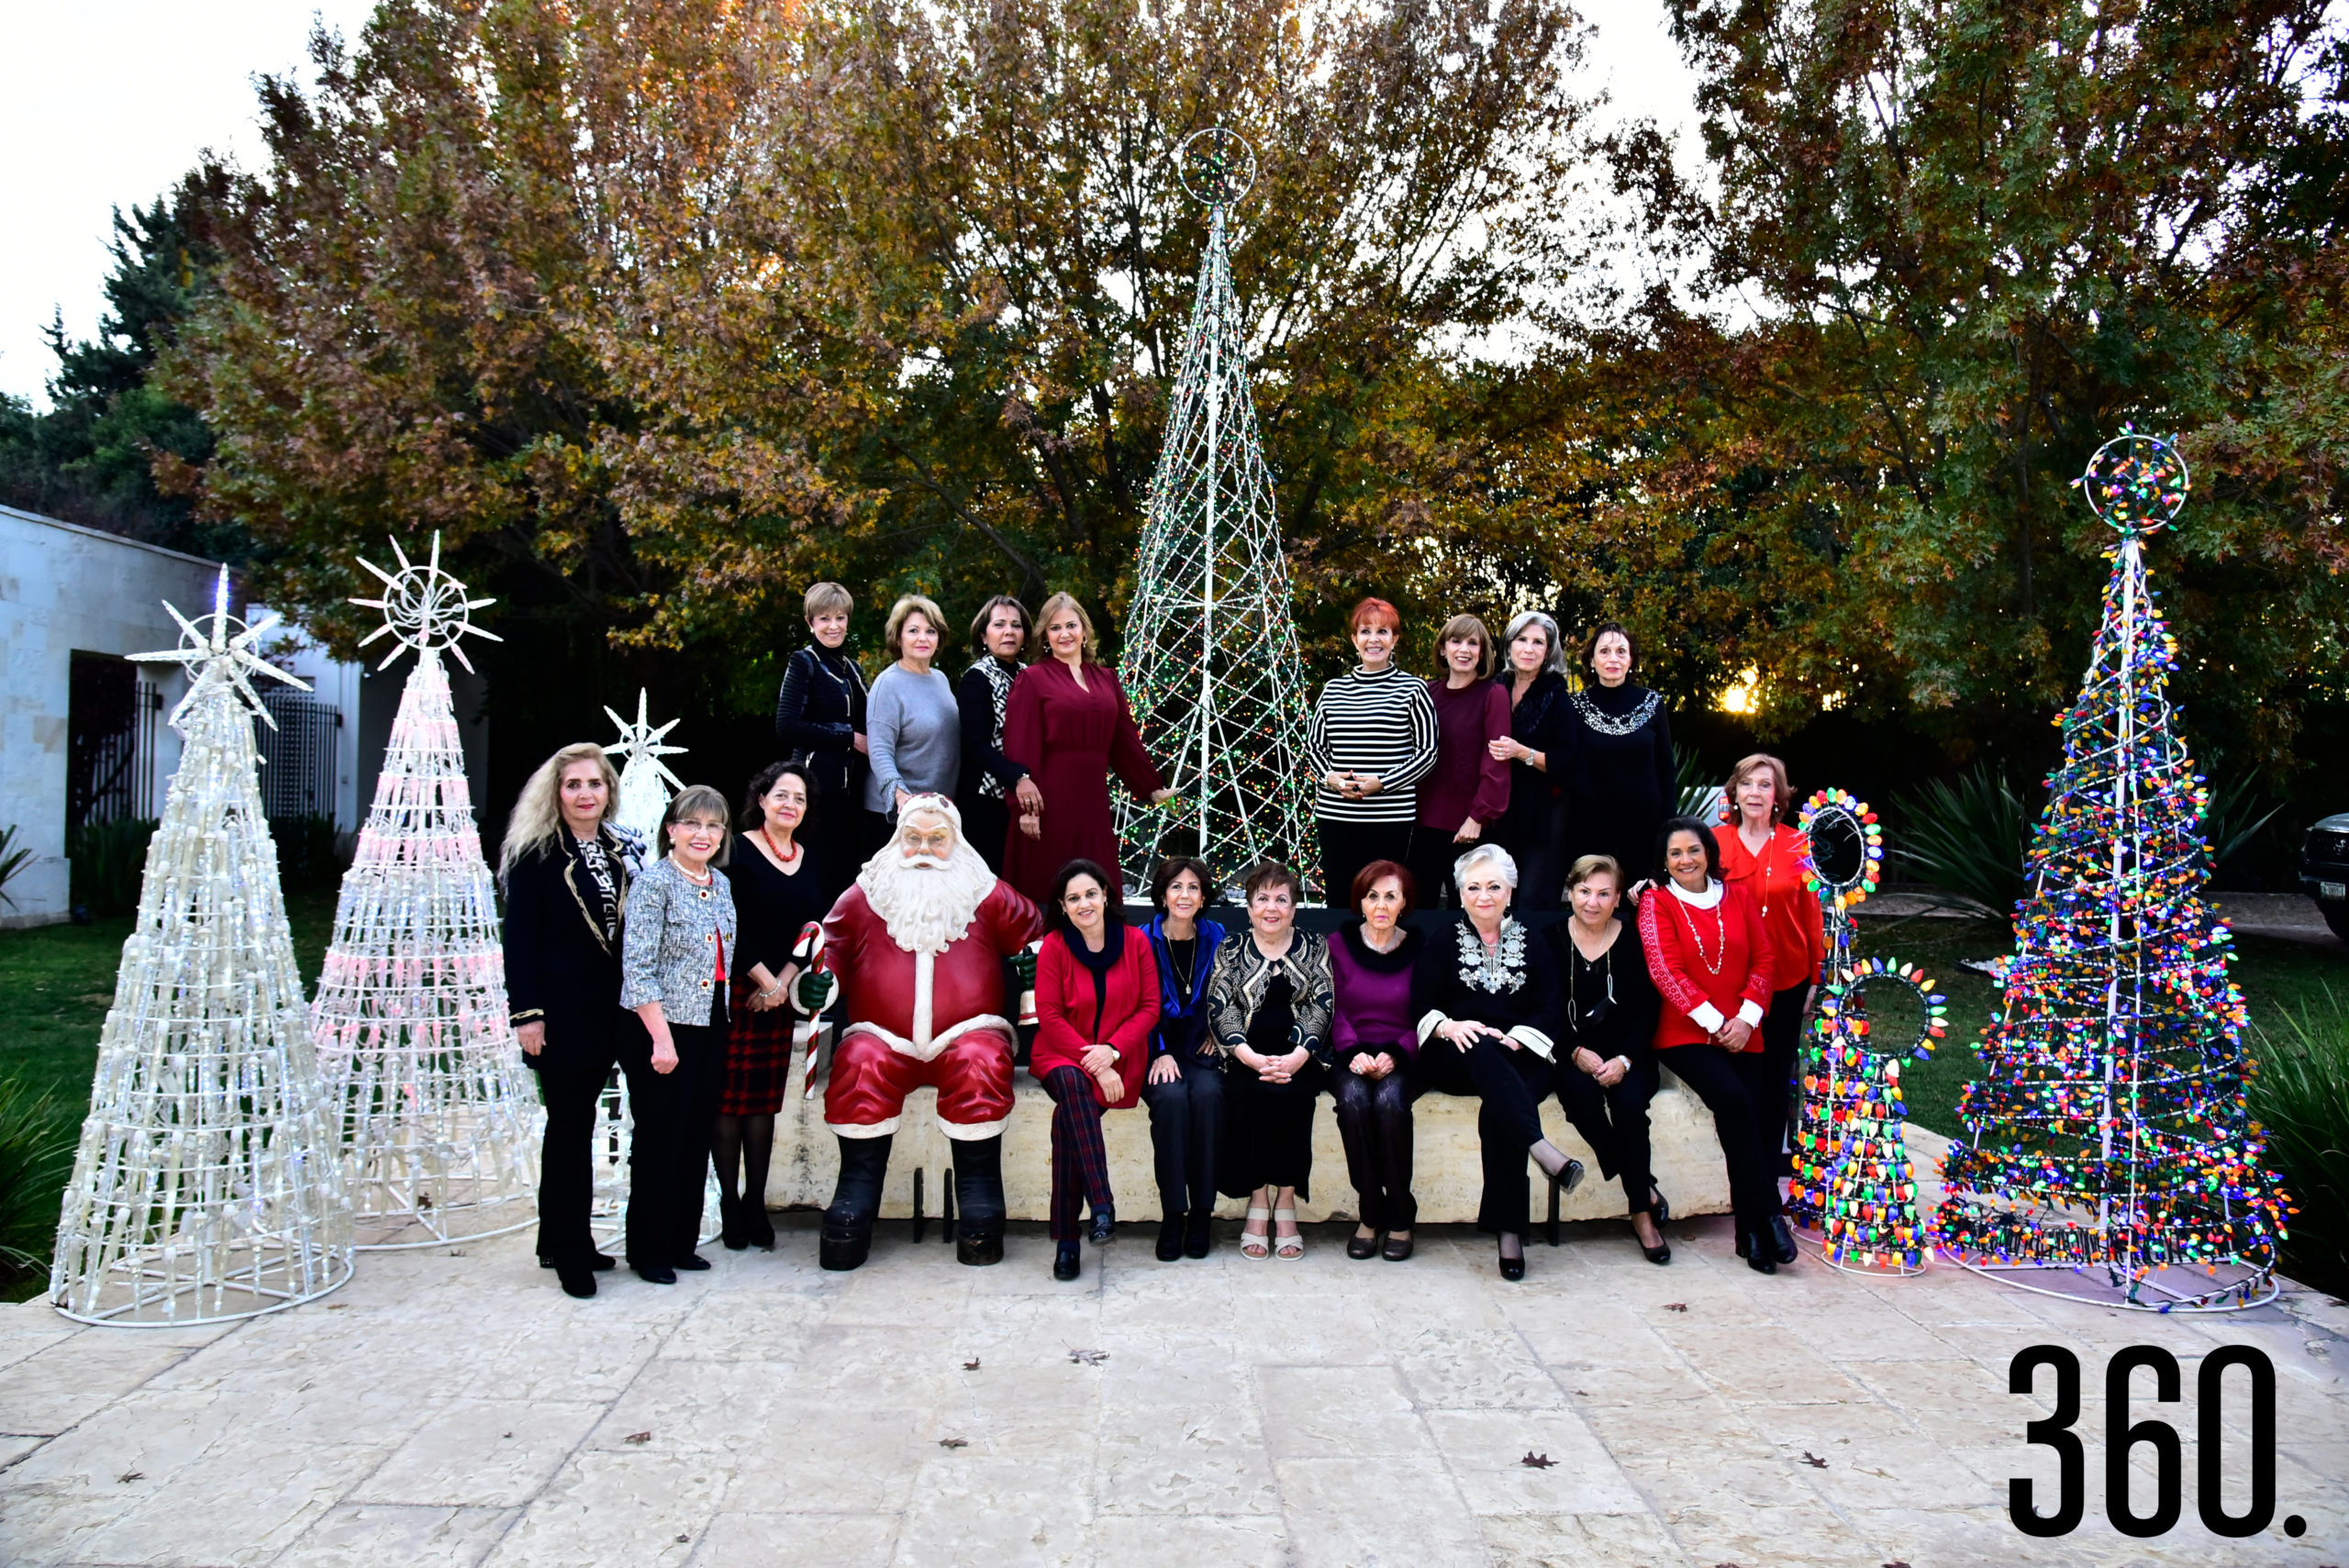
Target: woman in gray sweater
[[912, 723]]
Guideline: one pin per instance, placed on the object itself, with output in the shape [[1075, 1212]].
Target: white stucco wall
[[62, 588]]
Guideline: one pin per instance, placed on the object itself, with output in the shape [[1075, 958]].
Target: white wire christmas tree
[[205, 1187], [440, 1133], [647, 786], [1212, 663], [2108, 1131]]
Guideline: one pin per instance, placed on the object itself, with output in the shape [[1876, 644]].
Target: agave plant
[[36, 1156], [1968, 839], [1698, 798], [2300, 1096], [2235, 818], [14, 859]]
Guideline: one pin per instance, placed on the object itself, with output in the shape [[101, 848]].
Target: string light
[[1854, 1180]]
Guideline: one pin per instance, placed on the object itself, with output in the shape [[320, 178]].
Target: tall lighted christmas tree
[[2108, 1131], [646, 783], [205, 1187], [440, 1133], [1212, 663]]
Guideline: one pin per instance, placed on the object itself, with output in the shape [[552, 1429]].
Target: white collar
[[1705, 900]]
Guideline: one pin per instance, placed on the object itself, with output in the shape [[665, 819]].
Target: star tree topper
[[641, 741], [213, 653], [424, 607]]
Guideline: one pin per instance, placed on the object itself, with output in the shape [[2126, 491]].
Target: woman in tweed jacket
[[1268, 1007], [675, 946]]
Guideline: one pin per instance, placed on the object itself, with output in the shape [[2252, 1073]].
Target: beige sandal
[[1255, 1245], [1287, 1248]]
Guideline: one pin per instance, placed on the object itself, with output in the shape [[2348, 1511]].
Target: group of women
[[1498, 795]]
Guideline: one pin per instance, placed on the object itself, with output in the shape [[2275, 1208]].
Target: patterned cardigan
[[1237, 988], [669, 943]]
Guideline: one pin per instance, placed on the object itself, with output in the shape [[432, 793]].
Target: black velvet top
[[1619, 786]]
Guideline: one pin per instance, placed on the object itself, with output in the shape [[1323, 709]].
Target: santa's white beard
[[925, 903]]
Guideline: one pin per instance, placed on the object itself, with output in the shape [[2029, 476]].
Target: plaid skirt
[[758, 1056]]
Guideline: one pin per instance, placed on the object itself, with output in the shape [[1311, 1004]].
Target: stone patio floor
[[447, 1409]]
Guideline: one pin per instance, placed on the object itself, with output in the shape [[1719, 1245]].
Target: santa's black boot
[[978, 1200], [847, 1235]]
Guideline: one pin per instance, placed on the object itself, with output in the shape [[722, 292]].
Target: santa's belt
[[904, 1046]]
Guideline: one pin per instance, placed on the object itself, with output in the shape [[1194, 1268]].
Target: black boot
[[1199, 1233], [978, 1201], [1755, 1246], [1782, 1241], [1067, 1262], [847, 1235], [729, 1224], [1170, 1236]]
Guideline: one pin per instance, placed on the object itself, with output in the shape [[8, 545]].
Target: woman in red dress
[[1710, 962], [1068, 723]]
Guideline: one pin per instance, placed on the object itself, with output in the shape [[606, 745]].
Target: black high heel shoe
[[731, 1233], [1659, 1214], [1514, 1268]]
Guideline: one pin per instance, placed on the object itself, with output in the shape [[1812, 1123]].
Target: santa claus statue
[[919, 943]]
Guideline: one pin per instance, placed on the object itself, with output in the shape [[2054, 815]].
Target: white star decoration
[[213, 652], [423, 607], [641, 739]]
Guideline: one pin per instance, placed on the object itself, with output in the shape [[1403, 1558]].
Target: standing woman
[[1373, 739], [1710, 960], [1608, 1076], [566, 884], [820, 720], [1620, 779], [1268, 1005], [1097, 1001], [1184, 1086], [1068, 724], [1467, 789], [1535, 679], [674, 952], [914, 728], [1371, 1029], [777, 890], [1486, 1002], [999, 635], [1764, 853]]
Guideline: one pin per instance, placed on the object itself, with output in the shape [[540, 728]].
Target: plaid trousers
[[1080, 1160]]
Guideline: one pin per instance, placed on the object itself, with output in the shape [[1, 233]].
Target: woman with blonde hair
[[566, 882], [1467, 789], [912, 722], [1067, 723]]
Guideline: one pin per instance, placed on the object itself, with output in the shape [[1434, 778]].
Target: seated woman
[[1487, 1001], [1184, 1086], [1710, 960], [1608, 1074], [1097, 997], [1371, 1030], [1268, 1009]]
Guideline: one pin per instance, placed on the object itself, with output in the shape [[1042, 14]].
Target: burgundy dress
[[1068, 737]]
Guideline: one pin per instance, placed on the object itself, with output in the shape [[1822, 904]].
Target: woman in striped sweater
[[1374, 738]]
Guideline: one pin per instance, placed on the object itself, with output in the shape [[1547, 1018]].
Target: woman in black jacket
[[1620, 779], [1607, 1067], [1532, 829], [819, 721], [566, 887]]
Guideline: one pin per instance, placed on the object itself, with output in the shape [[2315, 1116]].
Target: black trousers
[[572, 1076], [1374, 1122], [1186, 1134], [1347, 846], [985, 820], [1432, 854], [669, 1156], [1722, 1082], [1614, 1121], [1269, 1131], [1536, 840], [1511, 1085], [1770, 1071]]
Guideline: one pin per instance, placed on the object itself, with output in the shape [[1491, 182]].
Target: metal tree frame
[[1211, 662]]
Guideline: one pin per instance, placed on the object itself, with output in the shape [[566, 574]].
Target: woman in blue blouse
[[1184, 1086]]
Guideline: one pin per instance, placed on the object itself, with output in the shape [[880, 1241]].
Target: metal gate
[[298, 775], [110, 741]]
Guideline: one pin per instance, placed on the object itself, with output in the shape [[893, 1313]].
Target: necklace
[[1762, 888], [704, 880], [1720, 936], [1608, 724], [781, 859]]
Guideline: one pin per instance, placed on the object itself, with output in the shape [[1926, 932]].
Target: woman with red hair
[[1765, 854], [1373, 738]]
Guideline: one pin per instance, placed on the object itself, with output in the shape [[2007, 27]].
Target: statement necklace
[[1608, 724], [781, 859], [1720, 935]]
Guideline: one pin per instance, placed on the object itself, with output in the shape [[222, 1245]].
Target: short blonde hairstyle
[[904, 609], [1459, 629], [699, 800], [1040, 647], [824, 598], [1588, 867], [1781, 805]]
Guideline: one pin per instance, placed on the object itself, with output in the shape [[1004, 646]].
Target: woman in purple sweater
[[1467, 789], [1376, 1041]]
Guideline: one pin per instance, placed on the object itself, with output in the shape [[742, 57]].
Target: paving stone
[[369, 1535]]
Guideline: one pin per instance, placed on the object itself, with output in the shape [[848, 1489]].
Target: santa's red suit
[[917, 1018]]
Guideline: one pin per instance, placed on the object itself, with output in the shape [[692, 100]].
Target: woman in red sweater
[[1710, 960], [1097, 997], [1764, 853]]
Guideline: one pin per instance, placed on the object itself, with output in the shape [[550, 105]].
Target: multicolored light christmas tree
[[1212, 663], [2108, 1131], [205, 1187], [1854, 1180], [439, 1132]]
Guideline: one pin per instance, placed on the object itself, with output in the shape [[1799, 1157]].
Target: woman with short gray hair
[[1486, 996], [1534, 674]]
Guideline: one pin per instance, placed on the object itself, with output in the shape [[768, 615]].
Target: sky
[[106, 103]]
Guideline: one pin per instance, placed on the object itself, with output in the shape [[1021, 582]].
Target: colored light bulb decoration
[[1854, 1181], [205, 1186], [1842, 858], [647, 786], [439, 1131], [1212, 663], [2107, 1150]]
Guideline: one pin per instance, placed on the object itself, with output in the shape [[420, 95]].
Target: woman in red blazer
[[1097, 999], [1711, 962], [1764, 853]]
